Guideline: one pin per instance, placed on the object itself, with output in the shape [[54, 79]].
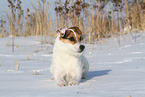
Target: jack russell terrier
[[68, 63]]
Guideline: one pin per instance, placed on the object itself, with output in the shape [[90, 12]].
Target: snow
[[115, 70]]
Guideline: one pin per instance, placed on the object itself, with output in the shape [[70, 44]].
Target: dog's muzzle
[[82, 47]]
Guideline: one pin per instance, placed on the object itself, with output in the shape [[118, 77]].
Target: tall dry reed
[[92, 17]]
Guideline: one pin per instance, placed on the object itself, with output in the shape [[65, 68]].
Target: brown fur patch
[[70, 37], [77, 30]]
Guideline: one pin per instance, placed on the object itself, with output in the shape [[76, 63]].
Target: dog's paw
[[62, 84], [73, 83], [52, 78]]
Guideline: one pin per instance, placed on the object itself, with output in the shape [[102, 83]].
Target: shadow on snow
[[93, 74]]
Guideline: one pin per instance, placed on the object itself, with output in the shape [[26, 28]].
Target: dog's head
[[71, 39]]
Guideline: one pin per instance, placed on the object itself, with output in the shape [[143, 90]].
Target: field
[[114, 33], [115, 70]]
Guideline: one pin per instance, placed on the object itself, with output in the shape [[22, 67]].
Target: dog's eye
[[71, 39], [80, 38]]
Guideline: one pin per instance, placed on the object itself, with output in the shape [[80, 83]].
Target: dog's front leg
[[75, 78], [59, 78]]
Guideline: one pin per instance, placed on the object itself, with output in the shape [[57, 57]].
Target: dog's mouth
[[80, 51]]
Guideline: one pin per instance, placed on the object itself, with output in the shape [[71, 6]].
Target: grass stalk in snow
[[41, 59], [89, 87], [17, 65], [28, 57], [1, 62], [35, 72], [77, 90]]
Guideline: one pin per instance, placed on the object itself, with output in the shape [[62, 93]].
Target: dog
[[68, 63]]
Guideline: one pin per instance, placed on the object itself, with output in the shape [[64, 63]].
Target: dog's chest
[[66, 60]]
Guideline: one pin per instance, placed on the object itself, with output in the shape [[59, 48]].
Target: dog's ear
[[77, 30], [58, 32], [61, 32]]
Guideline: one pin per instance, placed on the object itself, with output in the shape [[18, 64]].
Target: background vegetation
[[96, 18]]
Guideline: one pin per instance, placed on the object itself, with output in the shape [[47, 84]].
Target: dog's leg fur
[[59, 78], [75, 78], [85, 67]]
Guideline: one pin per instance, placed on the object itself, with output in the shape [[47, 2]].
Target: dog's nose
[[82, 47]]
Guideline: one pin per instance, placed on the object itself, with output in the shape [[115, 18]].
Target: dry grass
[[39, 22], [89, 87], [96, 23], [91, 17], [28, 57], [17, 65], [1, 63]]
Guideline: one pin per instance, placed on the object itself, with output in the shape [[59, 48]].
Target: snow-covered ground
[[115, 71]]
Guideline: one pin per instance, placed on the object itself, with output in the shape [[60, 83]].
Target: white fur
[[68, 64]]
